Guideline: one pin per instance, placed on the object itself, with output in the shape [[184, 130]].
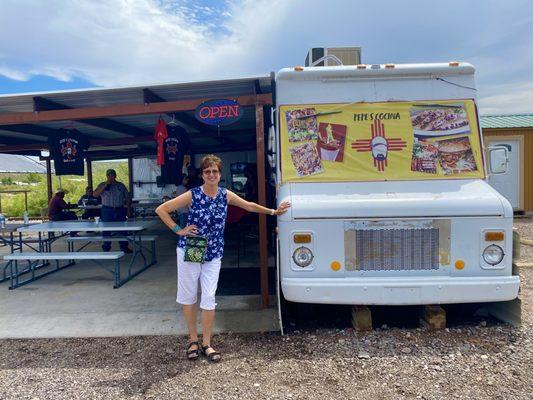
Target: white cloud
[[124, 42], [508, 99], [14, 74], [114, 42]]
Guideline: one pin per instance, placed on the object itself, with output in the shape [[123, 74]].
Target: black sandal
[[193, 354], [213, 356]]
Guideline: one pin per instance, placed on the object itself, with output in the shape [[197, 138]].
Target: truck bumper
[[400, 291]]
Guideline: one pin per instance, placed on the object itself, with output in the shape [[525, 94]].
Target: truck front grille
[[396, 249]]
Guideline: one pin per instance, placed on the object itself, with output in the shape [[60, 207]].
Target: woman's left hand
[[282, 209]]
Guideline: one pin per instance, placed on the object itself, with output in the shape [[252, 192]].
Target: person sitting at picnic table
[[88, 199], [58, 207], [207, 215], [115, 198]]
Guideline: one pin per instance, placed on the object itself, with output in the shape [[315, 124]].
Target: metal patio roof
[[239, 135], [507, 121], [12, 163]]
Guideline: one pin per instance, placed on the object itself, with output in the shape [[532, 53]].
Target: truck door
[[508, 184]]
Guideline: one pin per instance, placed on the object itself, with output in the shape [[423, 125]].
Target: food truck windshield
[[380, 141]]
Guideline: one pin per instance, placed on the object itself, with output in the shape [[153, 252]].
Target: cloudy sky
[[64, 44]]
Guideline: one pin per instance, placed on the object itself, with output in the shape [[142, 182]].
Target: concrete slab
[[80, 302]]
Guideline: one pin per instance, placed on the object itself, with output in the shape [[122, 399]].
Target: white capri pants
[[188, 275]]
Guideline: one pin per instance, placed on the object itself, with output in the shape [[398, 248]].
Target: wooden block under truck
[[385, 168]]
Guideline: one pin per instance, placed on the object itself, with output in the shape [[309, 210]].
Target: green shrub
[[32, 177], [13, 204]]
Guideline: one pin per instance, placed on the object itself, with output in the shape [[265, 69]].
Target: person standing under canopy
[[115, 199], [205, 222]]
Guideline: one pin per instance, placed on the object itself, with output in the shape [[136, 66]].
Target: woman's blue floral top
[[209, 215]]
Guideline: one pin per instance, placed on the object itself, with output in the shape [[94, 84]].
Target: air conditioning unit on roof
[[347, 56]]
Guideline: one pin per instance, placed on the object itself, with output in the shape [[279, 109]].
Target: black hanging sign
[[219, 112]]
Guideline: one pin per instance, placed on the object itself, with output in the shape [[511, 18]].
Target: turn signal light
[[298, 68], [361, 66], [335, 265], [494, 236], [453, 63], [302, 238], [389, 66]]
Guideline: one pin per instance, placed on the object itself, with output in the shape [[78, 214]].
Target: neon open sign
[[219, 112]]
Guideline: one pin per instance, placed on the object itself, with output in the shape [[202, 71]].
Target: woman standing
[[207, 215]]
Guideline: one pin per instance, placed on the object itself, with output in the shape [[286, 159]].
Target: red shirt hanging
[[160, 135]]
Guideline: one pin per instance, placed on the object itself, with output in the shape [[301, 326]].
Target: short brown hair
[[210, 159]]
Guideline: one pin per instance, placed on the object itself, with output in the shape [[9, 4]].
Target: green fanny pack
[[195, 249]]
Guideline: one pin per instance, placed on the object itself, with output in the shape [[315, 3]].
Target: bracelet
[[176, 228], [272, 212]]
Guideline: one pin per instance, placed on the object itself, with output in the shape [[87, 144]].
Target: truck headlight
[[302, 256], [493, 254]]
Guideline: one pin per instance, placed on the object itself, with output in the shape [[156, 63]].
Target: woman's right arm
[[166, 208]]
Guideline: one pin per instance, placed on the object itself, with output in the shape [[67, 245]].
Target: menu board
[[380, 141]]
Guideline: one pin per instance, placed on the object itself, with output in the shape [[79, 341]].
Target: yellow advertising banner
[[380, 141]]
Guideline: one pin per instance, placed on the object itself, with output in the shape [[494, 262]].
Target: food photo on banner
[[431, 123], [380, 141], [67, 149]]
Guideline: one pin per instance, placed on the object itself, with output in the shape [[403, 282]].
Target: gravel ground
[[479, 359]]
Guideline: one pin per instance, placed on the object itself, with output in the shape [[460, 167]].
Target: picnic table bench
[[9, 236], [131, 229], [57, 256], [100, 238]]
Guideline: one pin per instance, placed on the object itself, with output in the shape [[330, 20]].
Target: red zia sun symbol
[[379, 145]]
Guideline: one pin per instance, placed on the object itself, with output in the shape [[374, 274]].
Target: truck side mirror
[[499, 158]]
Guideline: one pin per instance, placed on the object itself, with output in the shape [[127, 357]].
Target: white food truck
[[385, 168]]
